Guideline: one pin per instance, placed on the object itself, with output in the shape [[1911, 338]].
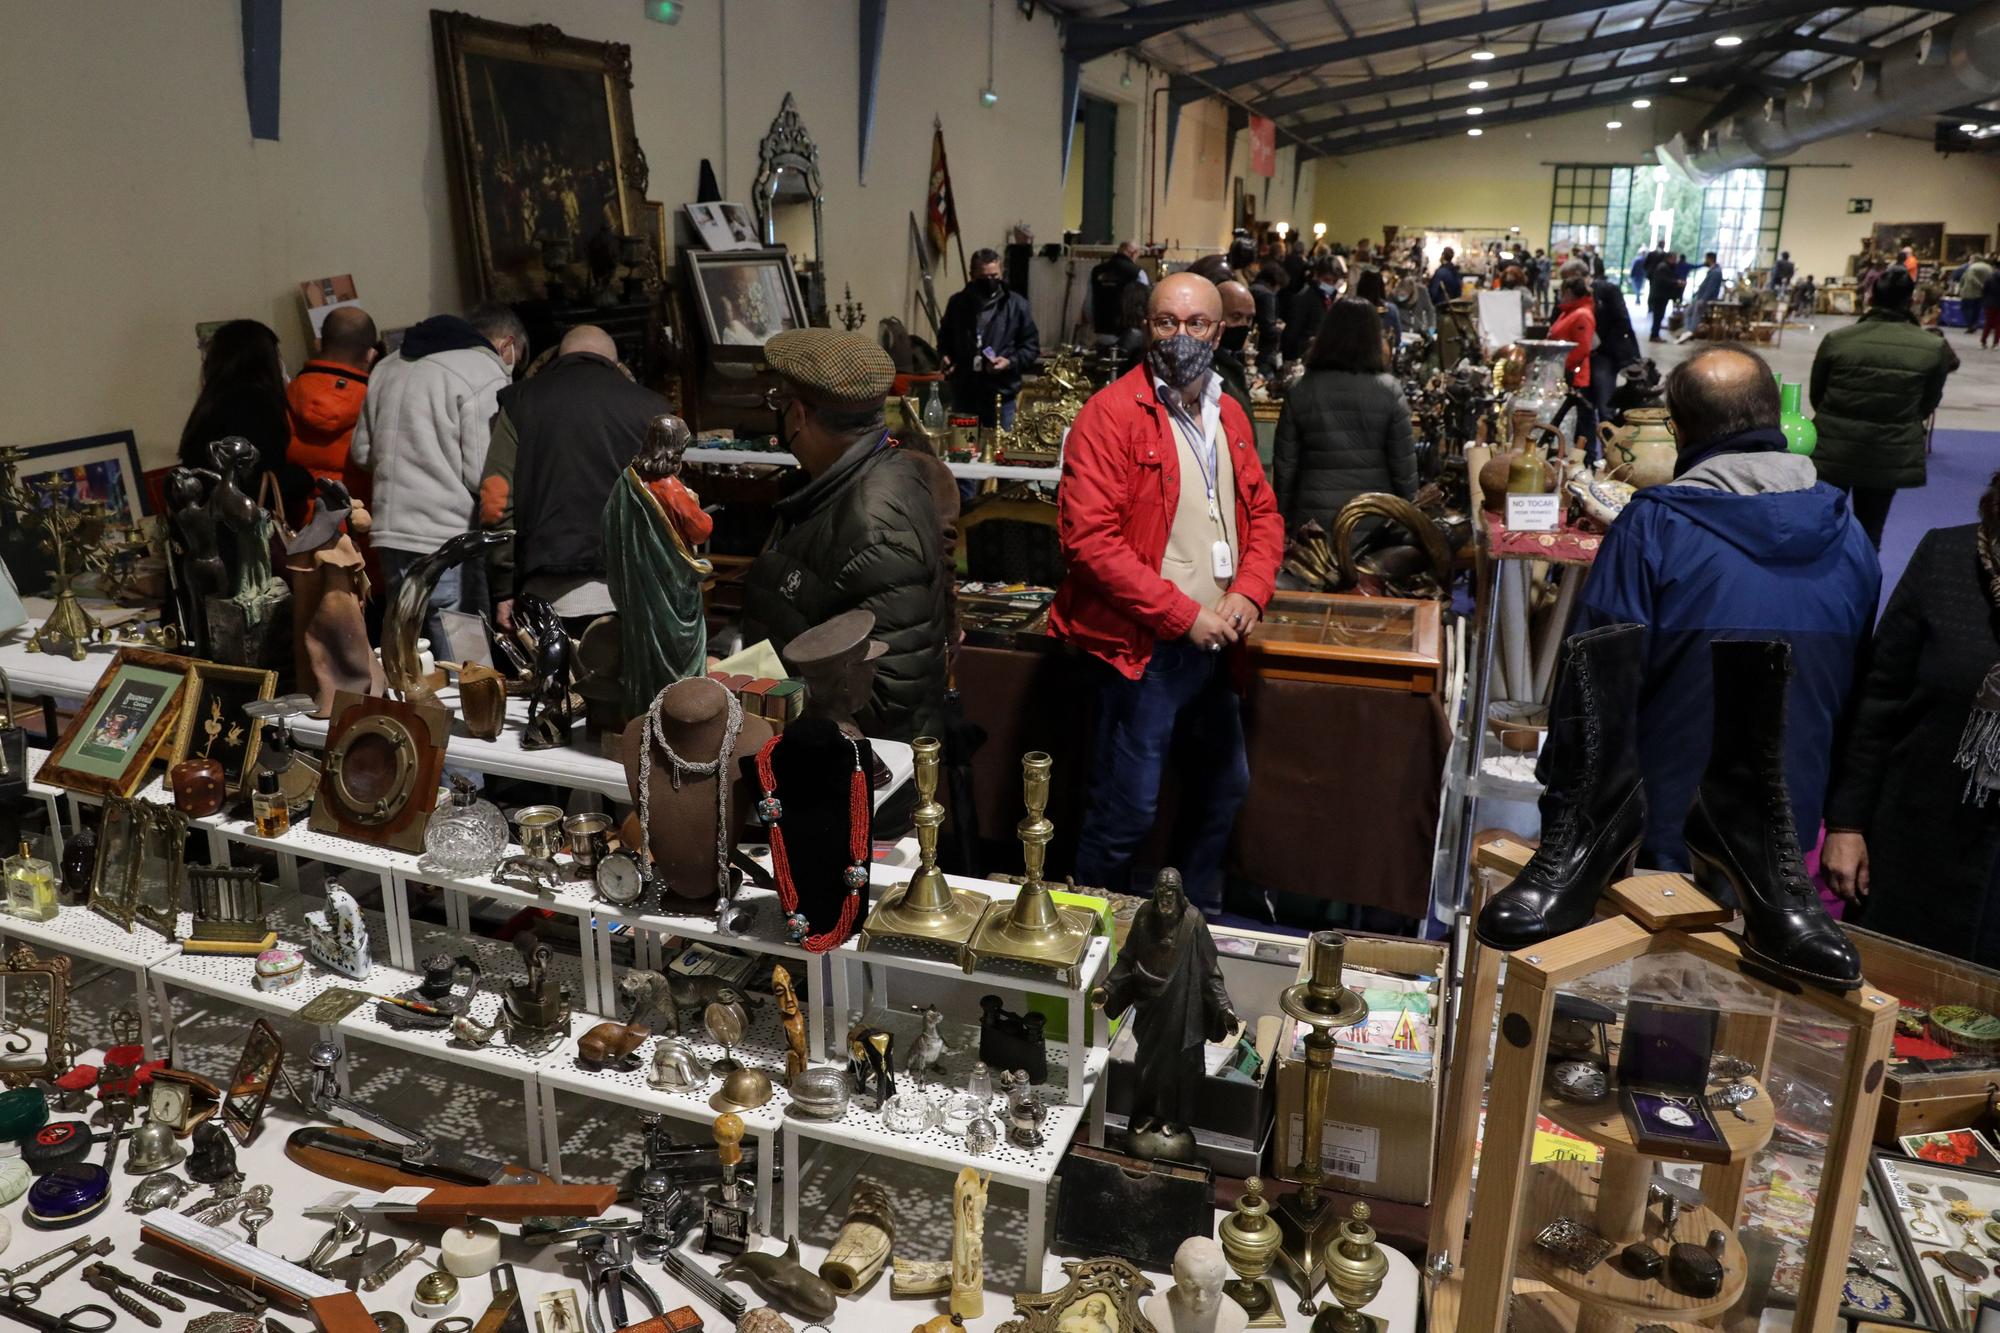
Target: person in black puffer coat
[[1345, 429], [862, 534]]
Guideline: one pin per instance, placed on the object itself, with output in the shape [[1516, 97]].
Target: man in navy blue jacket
[[1744, 543]]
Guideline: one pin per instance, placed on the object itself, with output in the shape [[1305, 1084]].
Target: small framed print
[[124, 724], [1952, 1147], [213, 724]]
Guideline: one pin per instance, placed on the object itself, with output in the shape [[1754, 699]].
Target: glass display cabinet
[[1384, 642]]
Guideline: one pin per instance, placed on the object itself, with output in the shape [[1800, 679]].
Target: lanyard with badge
[[1221, 558]]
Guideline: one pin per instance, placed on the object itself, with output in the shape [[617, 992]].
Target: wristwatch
[[622, 879]]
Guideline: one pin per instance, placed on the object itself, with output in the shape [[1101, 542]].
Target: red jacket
[[325, 400], [1577, 323], [1121, 480]]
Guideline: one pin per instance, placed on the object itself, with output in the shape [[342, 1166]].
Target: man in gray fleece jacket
[[423, 432]]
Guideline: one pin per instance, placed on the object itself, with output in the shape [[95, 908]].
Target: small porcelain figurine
[[338, 937], [968, 1244], [1194, 1303], [927, 1053]]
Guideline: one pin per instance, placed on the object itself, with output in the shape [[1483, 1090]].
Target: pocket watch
[[622, 879], [1579, 1081]]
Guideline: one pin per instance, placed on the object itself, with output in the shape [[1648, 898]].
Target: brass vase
[[1250, 1243], [1355, 1268]]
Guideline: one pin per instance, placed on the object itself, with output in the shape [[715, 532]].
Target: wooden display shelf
[[1603, 1124], [1608, 1297], [1553, 1312]]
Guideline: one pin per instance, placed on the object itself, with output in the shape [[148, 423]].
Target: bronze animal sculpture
[[412, 603], [783, 1281], [552, 707]]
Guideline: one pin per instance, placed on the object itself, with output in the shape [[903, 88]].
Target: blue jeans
[[1182, 710], [462, 588]]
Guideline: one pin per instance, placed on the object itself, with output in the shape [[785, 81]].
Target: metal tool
[[164, 1299], [607, 1264], [253, 1219], [130, 1304], [392, 1144], [31, 1292], [346, 1227], [507, 1304], [11, 1275], [704, 1284], [78, 1320], [225, 1294], [382, 1276]]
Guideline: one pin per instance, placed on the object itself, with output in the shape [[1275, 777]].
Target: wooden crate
[[1914, 1103]]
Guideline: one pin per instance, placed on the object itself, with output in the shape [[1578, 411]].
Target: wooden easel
[[1499, 1261]]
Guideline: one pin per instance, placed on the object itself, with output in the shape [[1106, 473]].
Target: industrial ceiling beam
[[1437, 129], [1489, 23], [1832, 46], [1702, 26], [1554, 84], [1089, 38]]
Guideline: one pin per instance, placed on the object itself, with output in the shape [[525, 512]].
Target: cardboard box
[[1380, 1134]]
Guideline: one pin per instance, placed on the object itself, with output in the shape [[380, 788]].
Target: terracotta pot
[[1641, 452], [199, 787]]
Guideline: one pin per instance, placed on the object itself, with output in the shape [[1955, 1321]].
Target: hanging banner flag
[[1263, 145], [942, 212]]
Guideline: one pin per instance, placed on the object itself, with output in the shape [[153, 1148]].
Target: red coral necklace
[[772, 811]]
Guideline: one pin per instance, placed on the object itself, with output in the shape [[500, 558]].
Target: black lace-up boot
[[1739, 831], [1593, 806]]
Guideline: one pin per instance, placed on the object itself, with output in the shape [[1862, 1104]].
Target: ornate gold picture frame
[[122, 727], [213, 724], [37, 997]]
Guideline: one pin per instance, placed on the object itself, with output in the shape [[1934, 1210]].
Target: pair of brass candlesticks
[[1032, 929]]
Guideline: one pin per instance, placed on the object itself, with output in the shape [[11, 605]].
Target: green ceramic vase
[[1800, 433]]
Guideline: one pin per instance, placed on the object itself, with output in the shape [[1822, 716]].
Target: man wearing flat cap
[[863, 533]]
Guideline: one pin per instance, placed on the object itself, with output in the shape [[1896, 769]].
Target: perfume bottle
[[31, 886], [273, 813], [467, 835]]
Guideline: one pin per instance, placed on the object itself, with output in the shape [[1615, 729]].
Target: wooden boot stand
[[1495, 1277]]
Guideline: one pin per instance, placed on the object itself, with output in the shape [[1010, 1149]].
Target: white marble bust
[[1195, 1303]]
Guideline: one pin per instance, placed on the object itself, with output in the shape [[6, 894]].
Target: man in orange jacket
[[325, 399]]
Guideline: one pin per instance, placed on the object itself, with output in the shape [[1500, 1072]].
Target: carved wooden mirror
[[788, 200]]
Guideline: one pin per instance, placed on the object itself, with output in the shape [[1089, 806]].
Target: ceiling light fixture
[[1614, 124], [1475, 111], [1478, 85], [1678, 78], [1641, 103], [1729, 39], [1125, 79], [1475, 132], [1484, 54], [1967, 128]]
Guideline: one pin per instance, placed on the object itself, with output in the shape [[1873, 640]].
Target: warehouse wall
[[1907, 181], [137, 204]]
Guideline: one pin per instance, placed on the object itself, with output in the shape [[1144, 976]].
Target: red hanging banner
[[1263, 145]]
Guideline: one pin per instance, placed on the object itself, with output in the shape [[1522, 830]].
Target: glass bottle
[[273, 814], [467, 835], [934, 418], [31, 886]]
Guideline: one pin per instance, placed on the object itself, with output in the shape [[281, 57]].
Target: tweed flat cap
[[835, 366]]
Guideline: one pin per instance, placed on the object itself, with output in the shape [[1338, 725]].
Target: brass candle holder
[[924, 907], [1250, 1243], [1033, 929], [1306, 1222], [1355, 1268]]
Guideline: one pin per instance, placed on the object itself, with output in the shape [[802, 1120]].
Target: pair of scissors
[[83, 1319]]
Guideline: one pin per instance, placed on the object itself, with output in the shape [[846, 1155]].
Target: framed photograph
[[538, 126], [213, 724], [103, 468], [323, 296], [1951, 1147], [747, 297], [725, 227], [114, 879], [653, 226], [125, 723]]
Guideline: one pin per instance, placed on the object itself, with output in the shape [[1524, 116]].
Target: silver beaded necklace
[[656, 733]]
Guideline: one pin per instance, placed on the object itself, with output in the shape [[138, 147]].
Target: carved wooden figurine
[[791, 1020], [968, 1244]]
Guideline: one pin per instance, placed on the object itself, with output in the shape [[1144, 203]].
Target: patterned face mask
[[1180, 360]]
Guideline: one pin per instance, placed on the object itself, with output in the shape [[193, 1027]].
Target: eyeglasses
[[1166, 326]]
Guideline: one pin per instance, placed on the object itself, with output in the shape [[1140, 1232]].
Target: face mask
[[986, 287], [1180, 360], [1327, 287], [1233, 339]]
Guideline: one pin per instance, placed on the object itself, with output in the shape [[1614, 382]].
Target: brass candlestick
[[1305, 1220], [1033, 929], [70, 532], [1250, 1243], [1355, 1267], [924, 907]]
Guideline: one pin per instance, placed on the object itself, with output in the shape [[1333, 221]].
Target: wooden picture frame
[[122, 727], [102, 468], [215, 698], [733, 291], [19, 972], [526, 104], [653, 226]]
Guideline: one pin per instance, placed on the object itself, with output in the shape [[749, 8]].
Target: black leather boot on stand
[[1740, 834], [1593, 806]]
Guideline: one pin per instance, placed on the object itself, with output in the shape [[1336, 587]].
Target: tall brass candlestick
[[1034, 929], [1305, 1220], [926, 908]]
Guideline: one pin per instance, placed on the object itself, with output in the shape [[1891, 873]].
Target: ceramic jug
[[1801, 436], [1641, 452]]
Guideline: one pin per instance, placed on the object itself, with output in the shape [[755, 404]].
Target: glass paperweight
[[467, 834], [910, 1112], [962, 1108]]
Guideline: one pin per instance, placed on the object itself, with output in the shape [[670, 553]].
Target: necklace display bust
[[693, 717]]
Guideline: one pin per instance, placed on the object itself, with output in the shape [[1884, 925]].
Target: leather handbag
[[1131, 1208]]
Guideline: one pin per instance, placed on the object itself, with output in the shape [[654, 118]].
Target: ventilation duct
[[1948, 66]]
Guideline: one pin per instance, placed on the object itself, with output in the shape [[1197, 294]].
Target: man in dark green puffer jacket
[[1874, 386], [865, 533]]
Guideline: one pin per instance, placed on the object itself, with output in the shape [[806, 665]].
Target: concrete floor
[[1971, 396]]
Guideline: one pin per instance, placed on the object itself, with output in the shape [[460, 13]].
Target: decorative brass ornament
[[1307, 1222], [1032, 929], [380, 776], [1106, 1291], [925, 907], [1355, 1267], [138, 872], [21, 976], [1250, 1243], [228, 912]]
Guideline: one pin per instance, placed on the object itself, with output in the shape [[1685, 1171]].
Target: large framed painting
[[103, 468], [1960, 246], [539, 128], [1925, 239], [746, 296], [127, 720]]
